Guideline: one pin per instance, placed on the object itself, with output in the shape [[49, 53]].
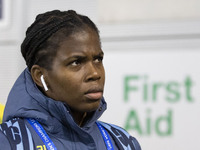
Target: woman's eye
[[99, 59], [75, 63]]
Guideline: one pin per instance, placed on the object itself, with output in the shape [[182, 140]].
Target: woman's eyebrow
[[80, 56], [77, 56], [101, 54], [73, 57]]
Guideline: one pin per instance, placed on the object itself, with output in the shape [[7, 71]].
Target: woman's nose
[[92, 72]]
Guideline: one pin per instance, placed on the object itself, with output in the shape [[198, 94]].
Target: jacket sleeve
[[5, 145], [121, 137], [136, 143]]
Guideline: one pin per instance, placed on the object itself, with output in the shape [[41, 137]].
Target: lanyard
[[106, 137], [49, 144], [43, 135]]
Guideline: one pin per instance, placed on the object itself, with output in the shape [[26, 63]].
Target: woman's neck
[[81, 122], [79, 117]]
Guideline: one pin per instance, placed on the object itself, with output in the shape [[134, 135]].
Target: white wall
[[11, 34], [157, 39], [147, 10], [160, 54]]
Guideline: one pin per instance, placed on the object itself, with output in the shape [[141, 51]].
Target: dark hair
[[47, 31]]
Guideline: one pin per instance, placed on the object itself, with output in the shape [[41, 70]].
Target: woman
[[56, 102]]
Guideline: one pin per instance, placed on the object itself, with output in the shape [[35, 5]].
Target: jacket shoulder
[[122, 138], [16, 134]]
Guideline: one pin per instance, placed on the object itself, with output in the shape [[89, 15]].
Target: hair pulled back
[[42, 37]]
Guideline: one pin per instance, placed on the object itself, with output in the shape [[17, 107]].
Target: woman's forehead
[[80, 43]]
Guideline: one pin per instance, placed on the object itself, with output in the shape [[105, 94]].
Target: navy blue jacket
[[27, 101]]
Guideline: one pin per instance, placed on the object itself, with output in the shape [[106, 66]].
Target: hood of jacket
[[25, 100]]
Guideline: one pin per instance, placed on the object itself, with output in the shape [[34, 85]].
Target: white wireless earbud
[[43, 83]]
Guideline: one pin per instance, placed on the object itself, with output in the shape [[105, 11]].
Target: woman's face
[[77, 75]]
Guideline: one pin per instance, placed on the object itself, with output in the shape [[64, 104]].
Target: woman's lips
[[94, 95]]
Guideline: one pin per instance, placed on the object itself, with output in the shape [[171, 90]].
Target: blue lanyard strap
[[106, 137], [49, 144], [43, 135]]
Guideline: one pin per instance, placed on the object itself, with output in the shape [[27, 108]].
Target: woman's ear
[[36, 73]]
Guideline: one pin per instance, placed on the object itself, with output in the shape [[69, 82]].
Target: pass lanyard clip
[[106, 137]]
